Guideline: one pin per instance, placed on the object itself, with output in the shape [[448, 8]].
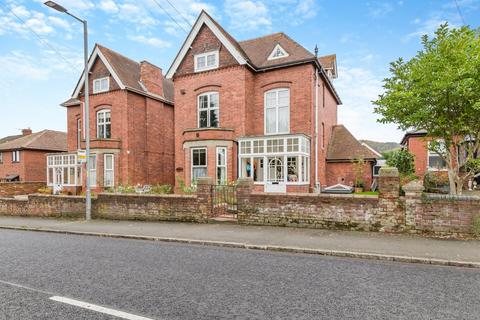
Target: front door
[[275, 175], [57, 180]]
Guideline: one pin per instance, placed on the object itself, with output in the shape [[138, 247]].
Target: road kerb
[[227, 244]]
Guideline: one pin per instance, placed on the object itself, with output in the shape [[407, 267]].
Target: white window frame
[[15, 156], [64, 162], [79, 133], [205, 55], [192, 166], [299, 149], [104, 124], [208, 109], [100, 81], [434, 154], [276, 107], [278, 47], [221, 166], [92, 169], [105, 170]]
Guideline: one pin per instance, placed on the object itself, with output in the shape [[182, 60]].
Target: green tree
[[438, 90], [401, 159]]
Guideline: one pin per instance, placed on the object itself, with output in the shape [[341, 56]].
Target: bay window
[[208, 110], [92, 170], [199, 163], [221, 165], [277, 111], [109, 171], [63, 170]]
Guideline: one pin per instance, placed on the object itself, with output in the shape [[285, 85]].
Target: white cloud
[[247, 15], [18, 65], [151, 41], [20, 20], [429, 26], [108, 6], [357, 87]]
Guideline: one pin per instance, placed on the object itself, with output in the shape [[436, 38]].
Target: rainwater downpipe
[[317, 184]]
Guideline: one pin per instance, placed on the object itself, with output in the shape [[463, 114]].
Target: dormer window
[[206, 61], [277, 53], [101, 85]]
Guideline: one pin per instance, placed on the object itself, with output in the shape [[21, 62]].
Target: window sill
[[436, 170]]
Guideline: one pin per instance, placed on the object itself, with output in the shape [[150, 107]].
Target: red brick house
[[425, 160], [263, 108], [23, 157], [131, 126]]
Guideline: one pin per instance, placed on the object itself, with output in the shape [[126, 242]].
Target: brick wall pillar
[[413, 200], [204, 196], [244, 189], [390, 215]]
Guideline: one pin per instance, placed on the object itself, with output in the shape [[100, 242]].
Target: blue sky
[[36, 75]]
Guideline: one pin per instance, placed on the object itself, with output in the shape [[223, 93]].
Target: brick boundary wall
[[20, 188], [415, 212]]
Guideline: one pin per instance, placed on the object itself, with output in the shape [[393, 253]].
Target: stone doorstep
[[323, 252]]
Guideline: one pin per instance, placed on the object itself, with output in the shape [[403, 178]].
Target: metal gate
[[224, 200]]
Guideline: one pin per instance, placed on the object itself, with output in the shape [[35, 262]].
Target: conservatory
[[63, 170], [275, 161]]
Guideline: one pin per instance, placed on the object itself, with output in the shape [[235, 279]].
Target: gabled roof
[[259, 49], [343, 146], [254, 52], [329, 62], [125, 72], [47, 140]]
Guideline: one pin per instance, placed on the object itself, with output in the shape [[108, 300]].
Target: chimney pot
[[26, 132]]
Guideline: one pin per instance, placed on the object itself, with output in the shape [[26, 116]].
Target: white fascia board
[[203, 19], [97, 53]]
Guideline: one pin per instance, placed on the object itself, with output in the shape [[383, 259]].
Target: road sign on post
[[82, 156]]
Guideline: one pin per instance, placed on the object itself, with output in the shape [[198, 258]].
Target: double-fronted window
[[206, 61], [16, 156], [101, 85], [208, 110], [104, 124], [277, 111]]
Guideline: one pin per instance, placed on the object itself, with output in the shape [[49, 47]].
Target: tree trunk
[[452, 181]]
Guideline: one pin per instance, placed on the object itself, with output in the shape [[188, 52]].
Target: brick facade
[[141, 130], [241, 107]]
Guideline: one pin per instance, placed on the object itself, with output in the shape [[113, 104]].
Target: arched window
[[104, 124], [275, 169], [277, 111], [208, 110]]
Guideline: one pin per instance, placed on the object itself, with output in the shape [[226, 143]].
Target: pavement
[[64, 276], [368, 245]]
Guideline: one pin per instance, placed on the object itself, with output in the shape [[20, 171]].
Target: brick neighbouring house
[[425, 160], [23, 157], [131, 126], [224, 88]]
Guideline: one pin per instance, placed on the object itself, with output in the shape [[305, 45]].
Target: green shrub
[[401, 159], [476, 225], [435, 182]]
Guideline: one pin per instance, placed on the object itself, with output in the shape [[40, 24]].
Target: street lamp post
[[88, 204]]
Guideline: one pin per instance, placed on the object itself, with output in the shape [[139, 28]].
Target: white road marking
[[24, 287], [93, 307]]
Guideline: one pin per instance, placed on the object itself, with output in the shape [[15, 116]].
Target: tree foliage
[[401, 159], [438, 90]]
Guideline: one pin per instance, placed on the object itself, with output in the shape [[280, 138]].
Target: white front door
[[57, 180], [275, 175]]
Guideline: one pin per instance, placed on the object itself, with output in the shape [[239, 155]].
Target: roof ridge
[[117, 53], [264, 36]]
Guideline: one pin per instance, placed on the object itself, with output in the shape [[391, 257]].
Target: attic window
[[101, 85], [277, 53], [206, 61]]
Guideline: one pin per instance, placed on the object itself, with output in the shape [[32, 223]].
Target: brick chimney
[[26, 132], [152, 78]]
